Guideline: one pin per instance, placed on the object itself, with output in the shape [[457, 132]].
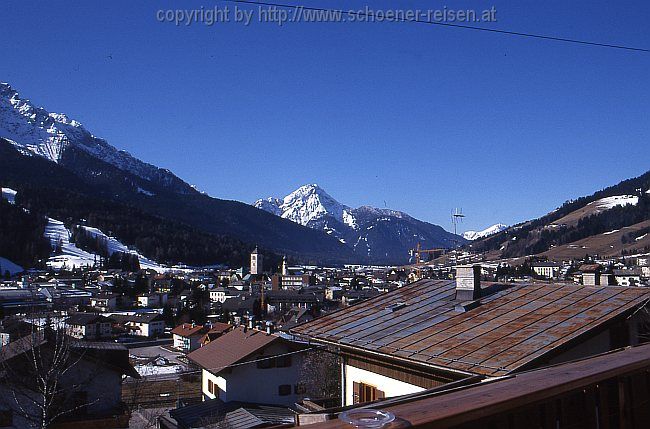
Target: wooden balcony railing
[[607, 391]]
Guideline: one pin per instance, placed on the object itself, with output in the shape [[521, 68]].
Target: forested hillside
[[540, 235], [46, 189]]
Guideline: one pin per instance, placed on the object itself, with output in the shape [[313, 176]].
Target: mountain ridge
[[582, 226], [490, 230], [380, 234], [90, 166]]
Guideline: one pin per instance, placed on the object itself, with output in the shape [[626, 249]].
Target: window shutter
[[356, 388]]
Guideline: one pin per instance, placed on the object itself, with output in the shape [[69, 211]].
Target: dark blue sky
[[416, 117]]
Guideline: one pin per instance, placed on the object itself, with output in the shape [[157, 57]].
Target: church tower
[[285, 268], [256, 262]]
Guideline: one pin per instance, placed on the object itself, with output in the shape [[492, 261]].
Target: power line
[[220, 368], [360, 13]]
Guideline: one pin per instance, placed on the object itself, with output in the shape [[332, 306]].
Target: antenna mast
[[456, 217]]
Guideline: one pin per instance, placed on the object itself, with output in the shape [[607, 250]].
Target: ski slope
[[72, 256]]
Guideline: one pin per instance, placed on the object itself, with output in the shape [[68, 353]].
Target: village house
[[216, 329], [221, 294], [590, 274], [141, 324], [290, 281], [88, 326], [251, 365], [281, 301], [548, 270], [434, 332], [603, 391], [152, 300], [104, 301], [187, 336], [628, 277]]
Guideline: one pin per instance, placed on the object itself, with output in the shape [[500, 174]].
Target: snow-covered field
[[618, 200], [9, 195], [116, 246], [73, 256]]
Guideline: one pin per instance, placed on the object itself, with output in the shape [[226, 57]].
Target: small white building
[[187, 336], [273, 375], [88, 326], [628, 277], [104, 302], [221, 294], [152, 300], [549, 270], [142, 324]]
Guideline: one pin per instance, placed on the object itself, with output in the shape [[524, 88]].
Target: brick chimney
[[468, 282]]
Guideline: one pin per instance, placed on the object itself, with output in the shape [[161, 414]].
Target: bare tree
[[320, 373], [44, 375]]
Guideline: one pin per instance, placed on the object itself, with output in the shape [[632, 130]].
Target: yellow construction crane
[[419, 251]]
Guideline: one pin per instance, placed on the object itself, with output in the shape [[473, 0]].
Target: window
[[265, 363], [283, 361], [300, 389], [6, 418], [213, 388], [284, 390], [362, 392]]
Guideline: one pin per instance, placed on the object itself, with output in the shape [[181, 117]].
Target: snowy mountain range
[[42, 152], [379, 234], [34, 130], [490, 230]]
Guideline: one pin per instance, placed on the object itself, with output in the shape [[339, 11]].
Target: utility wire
[[361, 13], [219, 368]]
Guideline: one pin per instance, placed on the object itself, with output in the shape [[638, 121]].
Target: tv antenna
[[456, 217]]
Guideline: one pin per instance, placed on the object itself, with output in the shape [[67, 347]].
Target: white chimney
[[269, 328], [468, 282]]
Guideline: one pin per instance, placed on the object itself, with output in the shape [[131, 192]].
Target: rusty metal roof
[[513, 326]]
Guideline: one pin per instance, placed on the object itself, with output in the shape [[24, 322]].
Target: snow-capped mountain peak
[[309, 203], [49, 135], [491, 230], [378, 233]]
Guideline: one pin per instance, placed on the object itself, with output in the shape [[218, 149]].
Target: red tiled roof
[[231, 348], [219, 327], [188, 330]]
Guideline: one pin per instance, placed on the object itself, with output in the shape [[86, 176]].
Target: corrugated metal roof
[[513, 326], [214, 413]]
